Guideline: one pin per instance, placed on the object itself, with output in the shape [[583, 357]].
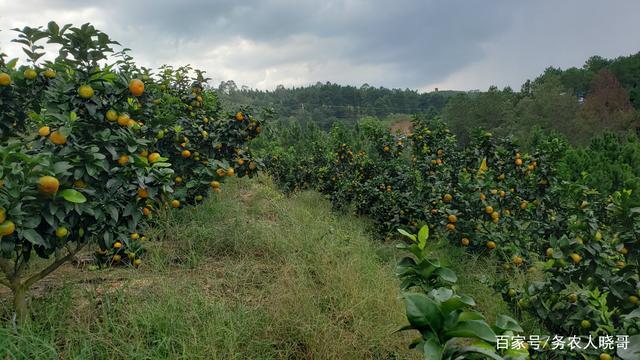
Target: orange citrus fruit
[[48, 185], [57, 138], [7, 228], [136, 87], [5, 79], [85, 91]]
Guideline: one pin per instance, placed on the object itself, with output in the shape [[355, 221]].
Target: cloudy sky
[[420, 44]]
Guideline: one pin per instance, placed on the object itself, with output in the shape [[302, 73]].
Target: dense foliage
[[490, 197], [326, 104], [93, 146]]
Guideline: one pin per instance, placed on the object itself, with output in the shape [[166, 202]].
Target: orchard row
[[493, 199], [93, 147]]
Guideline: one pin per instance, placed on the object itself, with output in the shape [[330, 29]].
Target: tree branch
[[54, 265]]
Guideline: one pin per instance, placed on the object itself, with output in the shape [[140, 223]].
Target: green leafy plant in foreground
[[449, 327]]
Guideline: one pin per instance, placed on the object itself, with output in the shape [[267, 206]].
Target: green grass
[[248, 274]]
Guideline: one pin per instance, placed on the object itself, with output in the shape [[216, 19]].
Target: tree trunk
[[20, 303]]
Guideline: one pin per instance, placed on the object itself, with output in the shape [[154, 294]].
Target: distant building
[[436, 89]]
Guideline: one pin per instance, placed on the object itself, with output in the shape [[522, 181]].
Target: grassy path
[[248, 274]]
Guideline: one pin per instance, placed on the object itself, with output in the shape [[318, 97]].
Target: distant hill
[[326, 103]]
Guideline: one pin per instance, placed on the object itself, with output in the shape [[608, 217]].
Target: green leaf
[[455, 303], [33, 237], [405, 233], [447, 274], [423, 235], [423, 312], [73, 196], [504, 322], [632, 352], [488, 352], [432, 350], [472, 329]]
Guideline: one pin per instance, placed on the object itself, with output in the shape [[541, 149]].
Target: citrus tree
[[72, 176]]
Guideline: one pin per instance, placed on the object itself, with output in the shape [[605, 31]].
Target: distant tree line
[[327, 103], [601, 96]]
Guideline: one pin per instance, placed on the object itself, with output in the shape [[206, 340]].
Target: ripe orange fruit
[[123, 160], [239, 116], [5, 79], [215, 184], [117, 245], [85, 91], [49, 73], [7, 228], [221, 172], [385, 149], [61, 232], [136, 87], [240, 162], [465, 242], [135, 236], [447, 198], [57, 138], [3, 215], [482, 197], [143, 193], [623, 250], [523, 204], [123, 119], [495, 215], [517, 260], [111, 115], [30, 74], [230, 171], [48, 185], [452, 218], [44, 131], [502, 194], [153, 157], [252, 165], [146, 211], [451, 227], [491, 245], [575, 258], [620, 264], [488, 210], [186, 154], [144, 153], [518, 162], [175, 204]]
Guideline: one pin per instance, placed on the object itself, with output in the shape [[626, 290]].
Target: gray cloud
[[403, 43]]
